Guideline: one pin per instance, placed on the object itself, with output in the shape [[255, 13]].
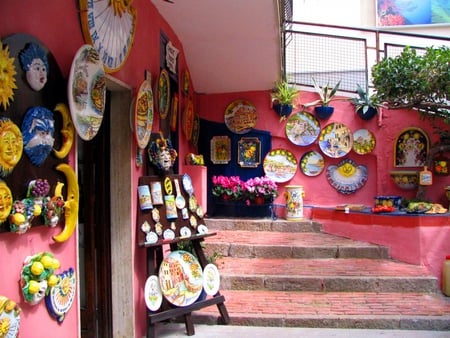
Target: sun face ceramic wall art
[[347, 176], [6, 201], [11, 146], [7, 77], [61, 295], [38, 129], [35, 64]]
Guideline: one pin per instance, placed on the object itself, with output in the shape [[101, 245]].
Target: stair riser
[[332, 284], [268, 251], [263, 225]]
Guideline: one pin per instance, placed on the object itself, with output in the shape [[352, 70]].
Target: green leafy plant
[[326, 94], [418, 82], [364, 101], [284, 93]]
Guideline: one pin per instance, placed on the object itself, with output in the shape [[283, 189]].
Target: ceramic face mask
[[37, 74]]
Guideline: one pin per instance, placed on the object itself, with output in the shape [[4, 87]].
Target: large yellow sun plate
[[7, 77]]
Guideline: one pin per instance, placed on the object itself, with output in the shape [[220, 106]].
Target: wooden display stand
[[155, 257]]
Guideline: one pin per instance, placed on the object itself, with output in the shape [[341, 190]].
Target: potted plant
[[326, 93], [283, 96], [366, 106]]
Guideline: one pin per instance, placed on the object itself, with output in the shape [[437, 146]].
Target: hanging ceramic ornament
[[61, 296], [9, 317], [11, 146]]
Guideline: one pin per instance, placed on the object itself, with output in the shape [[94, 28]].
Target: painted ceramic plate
[[211, 279], [86, 92], [312, 163], [61, 296], [280, 165], [181, 278], [347, 176], [10, 318], [363, 141], [163, 94], [336, 140], [302, 128], [240, 116], [143, 114], [188, 121], [152, 293]]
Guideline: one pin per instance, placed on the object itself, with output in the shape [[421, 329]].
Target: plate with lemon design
[[363, 141], [280, 165], [336, 140], [347, 176]]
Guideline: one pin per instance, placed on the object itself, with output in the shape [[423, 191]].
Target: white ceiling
[[229, 45]]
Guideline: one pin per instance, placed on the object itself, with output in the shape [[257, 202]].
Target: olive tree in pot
[[366, 106], [283, 96], [326, 93]]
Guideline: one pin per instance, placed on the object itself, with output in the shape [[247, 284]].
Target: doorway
[[105, 237]]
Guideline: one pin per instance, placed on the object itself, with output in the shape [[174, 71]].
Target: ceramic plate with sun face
[[347, 176]]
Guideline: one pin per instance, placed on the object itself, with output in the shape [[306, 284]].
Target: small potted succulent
[[366, 106], [326, 93], [283, 96]]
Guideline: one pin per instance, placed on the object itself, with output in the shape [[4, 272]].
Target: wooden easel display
[[155, 255]]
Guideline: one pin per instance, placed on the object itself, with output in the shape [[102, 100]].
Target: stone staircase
[[280, 273]]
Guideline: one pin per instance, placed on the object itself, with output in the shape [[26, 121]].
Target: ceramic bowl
[[390, 201], [405, 179]]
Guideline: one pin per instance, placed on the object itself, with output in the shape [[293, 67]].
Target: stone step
[[268, 244], [369, 310], [262, 224], [327, 275]]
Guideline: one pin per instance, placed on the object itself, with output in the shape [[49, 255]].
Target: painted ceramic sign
[[181, 278], [86, 92], [220, 149], [302, 128], [280, 165], [336, 140], [143, 114], [240, 116]]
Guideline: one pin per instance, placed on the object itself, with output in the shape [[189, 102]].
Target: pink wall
[[379, 162]]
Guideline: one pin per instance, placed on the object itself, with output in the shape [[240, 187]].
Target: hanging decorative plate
[[411, 148], [220, 149], [188, 121], [363, 141], [143, 114], [152, 293], [280, 165], [336, 140], [195, 130], [10, 155], [163, 94], [86, 92], [302, 128], [186, 82], [181, 278], [61, 296], [347, 176], [9, 317], [312, 163], [211, 279], [240, 116]]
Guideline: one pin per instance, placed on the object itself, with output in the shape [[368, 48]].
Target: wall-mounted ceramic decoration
[[8, 71], [86, 92], [220, 149], [34, 63], [188, 119], [336, 140], [174, 114], [186, 83], [163, 94], [302, 128], [249, 152], [143, 114], [411, 148], [195, 130], [181, 278], [38, 130], [5, 202], [347, 176], [312, 163], [61, 296], [11, 146], [280, 165], [240, 116], [152, 293], [172, 57], [211, 279], [109, 26], [363, 141], [9, 318]]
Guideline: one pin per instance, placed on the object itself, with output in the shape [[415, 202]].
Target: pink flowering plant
[[233, 188]]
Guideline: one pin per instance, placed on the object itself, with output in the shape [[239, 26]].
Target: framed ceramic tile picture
[[249, 152], [411, 148], [220, 149]]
